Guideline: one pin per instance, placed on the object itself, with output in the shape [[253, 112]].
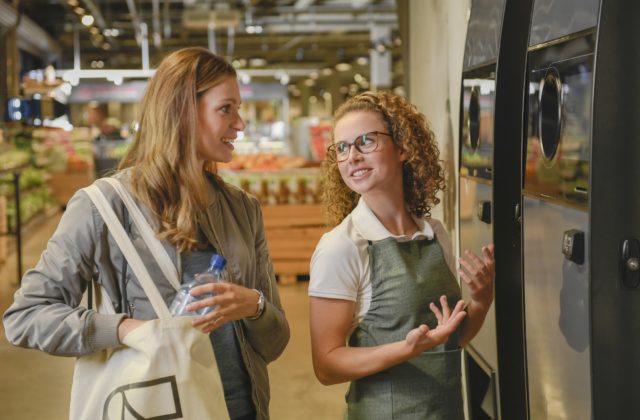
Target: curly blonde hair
[[422, 174]]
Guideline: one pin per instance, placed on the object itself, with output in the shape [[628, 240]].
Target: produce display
[[35, 195], [31, 203], [13, 158], [286, 186], [62, 150], [265, 162]]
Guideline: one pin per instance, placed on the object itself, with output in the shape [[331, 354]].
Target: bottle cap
[[217, 261]]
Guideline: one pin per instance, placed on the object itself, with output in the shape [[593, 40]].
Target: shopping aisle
[[34, 385]]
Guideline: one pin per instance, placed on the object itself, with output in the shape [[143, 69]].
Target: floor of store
[[35, 385]]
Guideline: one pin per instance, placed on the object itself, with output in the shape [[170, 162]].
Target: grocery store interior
[[527, 102]]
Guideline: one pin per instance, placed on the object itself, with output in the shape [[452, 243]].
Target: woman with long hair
[[190, 119], [386, 262]]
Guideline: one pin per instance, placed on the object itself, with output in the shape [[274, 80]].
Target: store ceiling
[[257, 34]]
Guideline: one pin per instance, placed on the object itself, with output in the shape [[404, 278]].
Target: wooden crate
[[292, 232], [65, 184]]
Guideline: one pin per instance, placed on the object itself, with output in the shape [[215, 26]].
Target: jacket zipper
[[237, 328]]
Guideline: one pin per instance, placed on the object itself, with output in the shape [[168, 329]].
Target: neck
[[393, 215]]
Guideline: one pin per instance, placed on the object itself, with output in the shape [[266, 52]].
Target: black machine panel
[[553, 19], [483, 32]]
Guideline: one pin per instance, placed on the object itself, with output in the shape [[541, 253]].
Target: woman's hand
[[126, 326], [230, 301], [422, 338], [479, 274]]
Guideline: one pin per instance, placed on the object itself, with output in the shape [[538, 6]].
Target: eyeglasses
[[364, 143]]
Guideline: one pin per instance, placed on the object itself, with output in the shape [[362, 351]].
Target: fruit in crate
[[264, 162], [14, 158], [77, 163]]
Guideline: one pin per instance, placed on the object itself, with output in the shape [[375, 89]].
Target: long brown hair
[[165, 172], [422, 175]]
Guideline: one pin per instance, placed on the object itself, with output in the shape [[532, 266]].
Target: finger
[[474, 266], [197, 305], [467, 266], [489, 260], [213, 325], [423, 329], [458, 308], [199, 321], [455, 321], [475, 259], [446, 312], [491, 248], [467, 279], [487, 253], [202, 289], [436, 312]]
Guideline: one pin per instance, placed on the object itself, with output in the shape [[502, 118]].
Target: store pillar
[[380, 58]]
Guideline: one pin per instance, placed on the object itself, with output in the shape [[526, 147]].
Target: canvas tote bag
[[166, 369]]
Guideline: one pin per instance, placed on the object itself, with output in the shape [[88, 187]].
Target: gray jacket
[[47, 312]]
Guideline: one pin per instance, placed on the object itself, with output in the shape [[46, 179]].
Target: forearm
[[472, 323], [344, 364]]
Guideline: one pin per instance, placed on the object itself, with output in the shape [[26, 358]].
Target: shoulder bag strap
[[155, 246], [128, 250]]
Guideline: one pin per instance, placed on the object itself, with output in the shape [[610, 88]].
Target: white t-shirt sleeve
[[336, 267]]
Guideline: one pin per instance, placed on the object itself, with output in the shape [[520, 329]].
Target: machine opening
[[550, 113]]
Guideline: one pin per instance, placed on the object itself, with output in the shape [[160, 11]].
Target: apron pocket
[[428, 386]]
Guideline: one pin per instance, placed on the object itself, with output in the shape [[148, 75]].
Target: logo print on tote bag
[[150, 400]]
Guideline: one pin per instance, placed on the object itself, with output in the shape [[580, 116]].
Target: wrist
[[259, 306], [477, 306]]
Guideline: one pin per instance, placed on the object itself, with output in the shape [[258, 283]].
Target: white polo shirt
[[340, 263]]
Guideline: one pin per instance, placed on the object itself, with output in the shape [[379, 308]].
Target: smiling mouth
[[360, 172], [227, 140]]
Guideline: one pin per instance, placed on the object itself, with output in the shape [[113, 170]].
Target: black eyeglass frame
[[332, 147]]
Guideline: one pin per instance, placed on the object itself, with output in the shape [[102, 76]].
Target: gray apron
[[405, 278]]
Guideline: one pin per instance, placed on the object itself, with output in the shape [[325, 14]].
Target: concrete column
[[333, 87], [305, 93], [380, 61]]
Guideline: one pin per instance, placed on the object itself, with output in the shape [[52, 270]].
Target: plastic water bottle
[[215, 273]]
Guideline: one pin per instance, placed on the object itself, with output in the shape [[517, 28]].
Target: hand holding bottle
[[215, 273]]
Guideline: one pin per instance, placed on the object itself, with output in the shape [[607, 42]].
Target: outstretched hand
[[479, 274], [423, 338]]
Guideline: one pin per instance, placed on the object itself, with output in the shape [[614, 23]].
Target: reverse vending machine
[[475, 187], [580, 216]]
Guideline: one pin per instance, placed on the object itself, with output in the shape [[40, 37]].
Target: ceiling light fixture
[[362, 61], [257, 62], [87, 20]]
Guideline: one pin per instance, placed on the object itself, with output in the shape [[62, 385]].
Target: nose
[[239, 123], [356, 155]]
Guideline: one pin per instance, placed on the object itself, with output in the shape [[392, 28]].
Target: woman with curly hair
[[384, 263]]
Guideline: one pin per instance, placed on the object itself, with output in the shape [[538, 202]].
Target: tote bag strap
[[128, 250], [155, 246]]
